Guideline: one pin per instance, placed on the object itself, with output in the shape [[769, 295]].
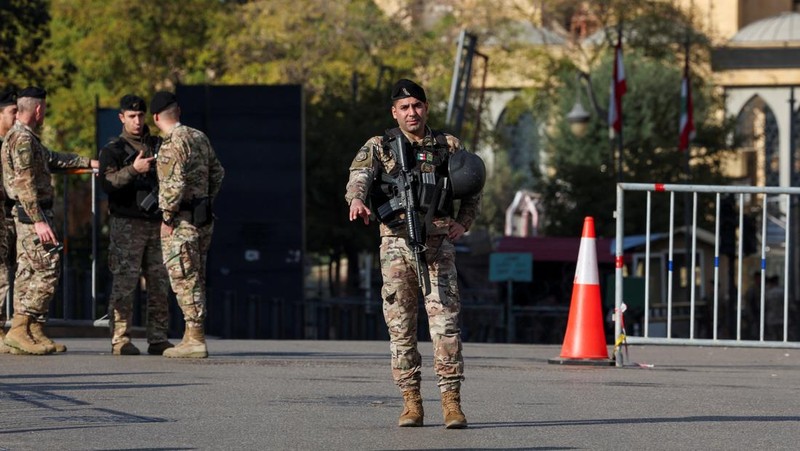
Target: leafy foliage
[[101, 50], [23, 31], [584, 171], [347, 53]]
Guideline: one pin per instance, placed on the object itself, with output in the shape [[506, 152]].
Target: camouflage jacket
[[2, 190], [187, 169], [26, 169], [371, 161]]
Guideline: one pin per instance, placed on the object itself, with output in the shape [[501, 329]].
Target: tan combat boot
[[4, 348], [412, 409], [451, 406], [193, 345], [37, 332], [19, 337]]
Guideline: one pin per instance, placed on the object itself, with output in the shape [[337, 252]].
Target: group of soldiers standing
[[160, 192]]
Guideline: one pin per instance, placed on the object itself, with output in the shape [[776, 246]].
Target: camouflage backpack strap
[[442, 146], [441, 138]]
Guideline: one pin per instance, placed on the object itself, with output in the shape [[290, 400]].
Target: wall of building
[[754, 10]]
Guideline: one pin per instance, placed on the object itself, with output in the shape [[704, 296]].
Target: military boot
[[37, 332], [124, 348], [159, 348], [193, 345], [4, 348], [451, 406], [412, 409], [19, 337]]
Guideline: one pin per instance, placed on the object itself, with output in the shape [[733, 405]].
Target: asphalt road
[[339, 395]]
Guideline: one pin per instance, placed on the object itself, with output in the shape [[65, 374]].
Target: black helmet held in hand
[[467, 174]]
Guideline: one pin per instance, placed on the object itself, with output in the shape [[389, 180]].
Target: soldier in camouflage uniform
[[373, 162], [26, 178], [189, 176], [8, 113], [127, 174]]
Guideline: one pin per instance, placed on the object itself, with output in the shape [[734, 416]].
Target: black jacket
[[126, 188]]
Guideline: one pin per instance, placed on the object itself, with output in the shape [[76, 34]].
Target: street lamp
[[578, 117]]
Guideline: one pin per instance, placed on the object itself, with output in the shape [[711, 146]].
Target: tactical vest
[[143, 182], [429, 179], [136, 199]]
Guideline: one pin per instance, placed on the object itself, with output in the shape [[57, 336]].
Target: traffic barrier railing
[[787, 198]]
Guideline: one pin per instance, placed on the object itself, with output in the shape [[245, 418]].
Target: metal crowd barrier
[[66, 308], [784, 195], [65, 259]]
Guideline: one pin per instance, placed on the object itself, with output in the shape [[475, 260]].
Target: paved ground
[[338, 395]]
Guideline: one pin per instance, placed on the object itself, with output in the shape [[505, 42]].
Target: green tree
[[584, 180], [23, 31], [101, 50]]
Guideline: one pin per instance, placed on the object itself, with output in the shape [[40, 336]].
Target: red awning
[[554, 249]]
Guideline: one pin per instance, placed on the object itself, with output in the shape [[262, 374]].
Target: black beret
[[8, 97], [130, 102], [407, 88], [161, 100], [33, 91]]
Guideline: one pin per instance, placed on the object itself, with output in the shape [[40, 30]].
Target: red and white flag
[[687, 131], [618, 89]]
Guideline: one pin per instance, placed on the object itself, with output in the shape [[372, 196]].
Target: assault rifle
[[416, 233]]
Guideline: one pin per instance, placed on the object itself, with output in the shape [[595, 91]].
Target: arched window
[[520, 135], [757, 132]]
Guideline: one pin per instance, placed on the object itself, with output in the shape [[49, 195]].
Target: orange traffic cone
[[585, 340]]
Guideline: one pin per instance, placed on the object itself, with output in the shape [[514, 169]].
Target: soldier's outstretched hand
[[359, 210]]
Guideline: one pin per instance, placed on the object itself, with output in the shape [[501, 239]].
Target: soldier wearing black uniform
[[127, 173]]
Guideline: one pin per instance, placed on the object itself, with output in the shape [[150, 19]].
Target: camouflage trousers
[[8, 261], [135, 251], [400, 305], [37, 273], [185, 253]]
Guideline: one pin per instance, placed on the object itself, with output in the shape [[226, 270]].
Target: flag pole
[[686, 147], [688, 150], [620, 143], [618, 107]]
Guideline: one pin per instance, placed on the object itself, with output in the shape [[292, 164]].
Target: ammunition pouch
[[434, 196], [201, 211], [388, 210]]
